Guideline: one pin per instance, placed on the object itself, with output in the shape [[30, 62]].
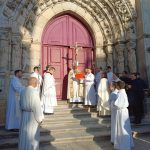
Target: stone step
[[69, 110], [67, 106], [73, 128], [86, 145], [139, 144], [76, 114], [70, 126], [52, 130], [70, 116], [73, 110], [137, 130], [60, 138], [69, 120], [75, 136]]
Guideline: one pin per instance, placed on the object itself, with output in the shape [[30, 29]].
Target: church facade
[[112, 33]]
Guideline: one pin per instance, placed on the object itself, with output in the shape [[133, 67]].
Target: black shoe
[[137, 122], [46, 113], [14, 130]]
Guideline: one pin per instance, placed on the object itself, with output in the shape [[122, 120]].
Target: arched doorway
[[59, 37]]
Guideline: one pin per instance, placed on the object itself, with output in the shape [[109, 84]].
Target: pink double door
[[59, 36]]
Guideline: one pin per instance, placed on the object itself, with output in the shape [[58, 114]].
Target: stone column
[[120, 57]]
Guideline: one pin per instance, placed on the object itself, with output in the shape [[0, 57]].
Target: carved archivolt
[[115, 12], [116, 18]]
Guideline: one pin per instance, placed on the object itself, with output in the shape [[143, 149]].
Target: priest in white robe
[[48, 96], [37, 75], [31, 117], [123, 137], [103, 92], [90, 93], [13, 110]]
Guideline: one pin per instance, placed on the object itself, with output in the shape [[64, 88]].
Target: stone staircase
[[74, 129]]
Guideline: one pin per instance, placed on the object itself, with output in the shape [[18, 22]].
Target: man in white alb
[[13, 109], [48, 96], [31, 117]]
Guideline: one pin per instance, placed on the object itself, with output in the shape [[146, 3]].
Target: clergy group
[[109, 93]]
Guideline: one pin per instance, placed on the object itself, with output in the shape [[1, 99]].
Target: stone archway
[[113, 33], [111, 22]]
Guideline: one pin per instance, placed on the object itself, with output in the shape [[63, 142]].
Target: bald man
[[31, 117]]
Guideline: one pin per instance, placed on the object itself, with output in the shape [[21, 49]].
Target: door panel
[[55, 59], [78, 33], [55, 32]]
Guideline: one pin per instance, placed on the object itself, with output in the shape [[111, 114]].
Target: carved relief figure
[[120, 57], [131, 56], [4, 51], [25, 58], [109, 52], [16, 53]]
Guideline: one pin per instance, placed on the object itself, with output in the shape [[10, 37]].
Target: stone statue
[[130, 31], [120, 57], [109, 53], [25, 59], [131, 56], [16, 53], [4, 51]]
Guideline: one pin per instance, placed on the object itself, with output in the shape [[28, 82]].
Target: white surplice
[[112, 98], [13, 108], [103, 93], [32, 115], [48, 97], [90, 93], [123, 137]]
